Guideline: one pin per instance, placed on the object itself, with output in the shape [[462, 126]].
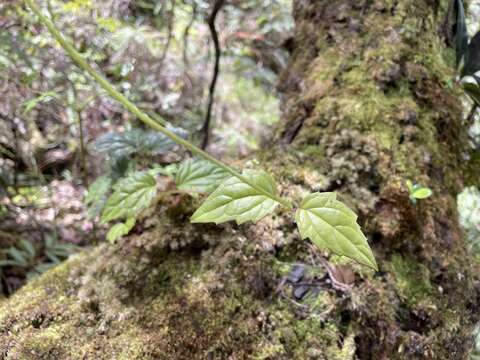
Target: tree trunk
[[367, 106]]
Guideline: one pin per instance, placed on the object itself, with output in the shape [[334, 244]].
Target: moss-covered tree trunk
[[369, 103]]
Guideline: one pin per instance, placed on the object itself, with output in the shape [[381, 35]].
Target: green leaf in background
[[42, 98], [120, 166], [156, 143], [28, 247], [331, 225], [236, 200], [461, 35], [20, 257], [98, 189], [199, 175], [472, 57], [97, 195], [472, 87], [132, 195], [136, 141], [169, 170], [119, 230]]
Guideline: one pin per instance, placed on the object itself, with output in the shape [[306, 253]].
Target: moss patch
[[412, 279]]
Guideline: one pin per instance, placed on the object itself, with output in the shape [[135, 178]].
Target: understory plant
[[249, 195], [417, 191], [31, 260]]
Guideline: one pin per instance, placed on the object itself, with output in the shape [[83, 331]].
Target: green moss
[[324, 67], [151, 304], [148, 305], [412, 280], [44, 344]]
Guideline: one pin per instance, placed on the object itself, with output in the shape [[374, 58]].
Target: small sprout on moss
[[418, 192]]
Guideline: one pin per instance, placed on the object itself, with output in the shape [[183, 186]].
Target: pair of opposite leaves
[[327, 222]]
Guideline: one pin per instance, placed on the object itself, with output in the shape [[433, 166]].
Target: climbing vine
[[249, 195]]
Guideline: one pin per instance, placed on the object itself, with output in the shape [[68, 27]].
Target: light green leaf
[[331, 225], [98, 189], [422, 193], [170, 170], [19, 256], [235, 200], [137, 142], [119, 230], [132, 195], [471, 86], [461, 34], [199, 175], [97, 196], [27, 245]]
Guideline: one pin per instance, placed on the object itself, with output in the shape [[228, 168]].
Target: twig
[[303, 306], [338, 285], [211, 24]]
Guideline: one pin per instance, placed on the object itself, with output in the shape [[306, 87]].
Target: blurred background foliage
[[59, 132]]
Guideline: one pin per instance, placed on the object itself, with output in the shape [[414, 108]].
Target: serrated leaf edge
[[370, 259], [272, 203]]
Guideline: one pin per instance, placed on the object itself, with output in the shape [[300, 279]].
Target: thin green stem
[[110, 89]]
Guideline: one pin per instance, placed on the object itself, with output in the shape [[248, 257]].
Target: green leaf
[[119, 230], [472, 57], [19, 256], [120, 144], [4, 263], [235, 200], [136, 141], [98, 189], [42, 98], [132, 195], [199, 175], [331, 225], [28, 248], [472, 88], [53, 258], [461, 35], [422, 193], [97, 195], [120, 166], [158, 170]]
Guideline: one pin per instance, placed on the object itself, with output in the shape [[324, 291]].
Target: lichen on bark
[[369, 103]]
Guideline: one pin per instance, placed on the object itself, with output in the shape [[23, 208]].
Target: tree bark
[[367, 106]]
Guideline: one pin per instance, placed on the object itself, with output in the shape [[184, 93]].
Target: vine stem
[[114, 93]]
